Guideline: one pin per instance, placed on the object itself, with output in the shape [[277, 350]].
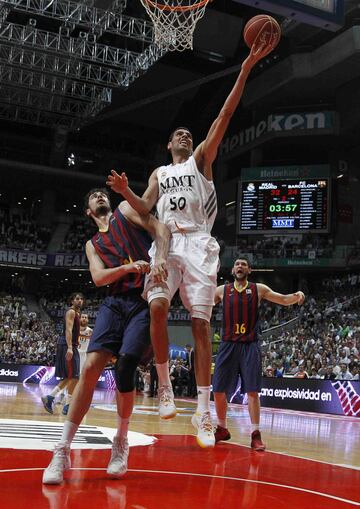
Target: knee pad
[[200, 311], [125, 370]]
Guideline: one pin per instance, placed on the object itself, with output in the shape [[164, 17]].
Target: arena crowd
[[320, 339]]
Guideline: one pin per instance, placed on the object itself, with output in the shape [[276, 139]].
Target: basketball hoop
[[175, 21]]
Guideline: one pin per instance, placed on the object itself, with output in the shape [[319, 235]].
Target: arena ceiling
[[163, 91]]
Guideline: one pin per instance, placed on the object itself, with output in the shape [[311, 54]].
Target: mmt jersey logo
[[283, 223]]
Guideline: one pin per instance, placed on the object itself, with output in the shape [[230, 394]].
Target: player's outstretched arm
[[267, 293], [119, 184], [101, 275], [206, 152]]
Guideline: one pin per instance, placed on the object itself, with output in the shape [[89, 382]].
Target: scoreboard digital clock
[[284, 206]]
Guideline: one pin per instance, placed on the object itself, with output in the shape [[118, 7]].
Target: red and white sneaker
[[221, 434], [117, 466], [54, 473], [256, 443], [167, 408], [205, 432]]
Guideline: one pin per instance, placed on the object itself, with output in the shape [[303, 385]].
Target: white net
[[175, 21]]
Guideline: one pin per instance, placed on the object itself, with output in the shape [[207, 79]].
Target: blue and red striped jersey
[[123, 243], [75, 331], [240, 313]]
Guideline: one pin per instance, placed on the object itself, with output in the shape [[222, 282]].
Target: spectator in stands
[[301, 373], [355, 373], [343, 359], [344, 373], [269, 372], [353, 361], [294, 368], [19, 230], [314, 373], [329, 375], [80, 230], [154, 379], [23, 339], [277, 371], [179, 380]]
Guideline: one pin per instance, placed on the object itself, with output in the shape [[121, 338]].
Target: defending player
[[239, 351], [118, 257]]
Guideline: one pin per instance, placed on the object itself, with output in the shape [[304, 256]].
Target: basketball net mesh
[[175, 21]]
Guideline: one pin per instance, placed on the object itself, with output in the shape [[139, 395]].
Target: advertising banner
[[275, 125], [29, 259], [341, 397], [45, 375]]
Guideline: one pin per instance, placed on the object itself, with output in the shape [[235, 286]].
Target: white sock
[[255, 427], [123, 426], [56, 390], [222, 422], [203, 403], [163, 373], [68, 433]]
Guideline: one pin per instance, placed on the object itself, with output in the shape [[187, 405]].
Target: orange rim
[[162, 7]]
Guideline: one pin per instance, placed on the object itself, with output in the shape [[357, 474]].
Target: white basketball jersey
[[187, 200], [84, 339]]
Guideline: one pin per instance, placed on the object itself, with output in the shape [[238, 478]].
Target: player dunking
[[185, 199], [118, 257], [239, 351], [67, 360]]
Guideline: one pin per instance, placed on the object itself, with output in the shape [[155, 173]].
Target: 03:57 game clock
[[284, 206]]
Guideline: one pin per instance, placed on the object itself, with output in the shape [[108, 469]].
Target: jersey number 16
[[240, 328]]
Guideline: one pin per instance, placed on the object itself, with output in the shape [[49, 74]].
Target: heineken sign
[[288, 124]]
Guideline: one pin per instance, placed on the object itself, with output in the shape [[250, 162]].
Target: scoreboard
[[284, 206]]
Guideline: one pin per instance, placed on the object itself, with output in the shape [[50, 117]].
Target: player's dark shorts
[[122, 326], [234, 360], [64, 368]]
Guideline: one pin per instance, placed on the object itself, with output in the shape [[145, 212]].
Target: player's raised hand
[[301, 297], [118, 183], [264, 42], [258, 51]]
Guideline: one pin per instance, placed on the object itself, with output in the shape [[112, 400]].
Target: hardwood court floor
[[311, 459]]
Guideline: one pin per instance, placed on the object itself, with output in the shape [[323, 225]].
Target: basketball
[[262, 29]]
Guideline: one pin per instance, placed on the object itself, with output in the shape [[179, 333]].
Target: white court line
[[268, 451], [304, 458], [194, 474]]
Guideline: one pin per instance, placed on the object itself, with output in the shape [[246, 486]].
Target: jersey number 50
[[177, 203]]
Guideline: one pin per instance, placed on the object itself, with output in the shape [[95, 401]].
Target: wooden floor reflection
[[285, 474]]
